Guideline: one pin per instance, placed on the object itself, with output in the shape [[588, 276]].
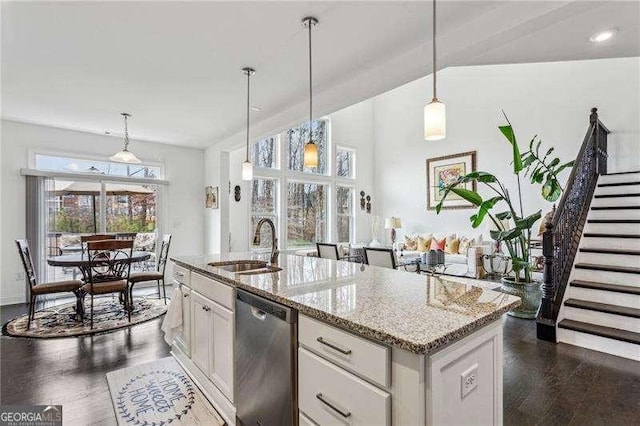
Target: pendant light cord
[[248, 107], [310, 23], [435, 97]]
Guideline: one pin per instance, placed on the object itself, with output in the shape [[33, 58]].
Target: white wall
[[551, 100], [351, 127], [184, 201]]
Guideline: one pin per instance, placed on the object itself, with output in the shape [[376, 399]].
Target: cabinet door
[[185, 335], [200, 353], [221, 373]]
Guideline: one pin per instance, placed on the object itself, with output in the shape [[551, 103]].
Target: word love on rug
[[159, 393]]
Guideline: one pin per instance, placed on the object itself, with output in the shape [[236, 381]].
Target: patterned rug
[[108, 315], [159, 393]]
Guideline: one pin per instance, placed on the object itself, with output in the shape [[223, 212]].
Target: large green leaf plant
[[513, 228]]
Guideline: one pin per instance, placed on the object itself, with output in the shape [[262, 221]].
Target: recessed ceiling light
[[256, 108], [603, 36]]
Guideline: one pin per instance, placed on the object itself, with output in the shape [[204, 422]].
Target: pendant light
[[125, 156], [310, 148], [247, 167], [435, 118]]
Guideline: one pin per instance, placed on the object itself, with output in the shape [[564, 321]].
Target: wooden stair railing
[[563, 232]]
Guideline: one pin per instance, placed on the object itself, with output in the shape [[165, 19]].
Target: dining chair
[[331, 251], [35, 289], [158, 274], [328, 251], [109, 269], [84, 239], [384, 257]]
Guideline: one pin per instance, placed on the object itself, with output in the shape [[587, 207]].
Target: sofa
[[463, 258]]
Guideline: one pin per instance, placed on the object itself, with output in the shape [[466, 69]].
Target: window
[[345, 217], [345, 163], [264, 153], [311, 204], [264, 205], [80, 165], [306, 213], [297, 137]]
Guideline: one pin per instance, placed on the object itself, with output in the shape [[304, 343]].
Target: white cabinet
[[183, 339], [212, 346]]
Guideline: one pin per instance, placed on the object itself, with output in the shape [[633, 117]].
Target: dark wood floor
[[544, 384]]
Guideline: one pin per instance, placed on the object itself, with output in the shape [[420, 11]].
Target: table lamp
[[393, 223]]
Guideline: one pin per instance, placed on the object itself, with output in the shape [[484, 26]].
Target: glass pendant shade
[[311, 155], [125, 156], [435, 121], [247, 171]]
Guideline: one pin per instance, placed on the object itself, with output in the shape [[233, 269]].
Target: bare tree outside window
[[344, 203], [264, 153], [345, 163], [297, 137], [306, 213], [263, 205]]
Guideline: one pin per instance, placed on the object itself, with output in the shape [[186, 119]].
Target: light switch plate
[[469, 380]]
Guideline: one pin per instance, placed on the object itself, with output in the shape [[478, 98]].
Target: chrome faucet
[[274, 240]]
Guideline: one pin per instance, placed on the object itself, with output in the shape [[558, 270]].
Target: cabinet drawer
[[218, 292], [331, 395], [354, 353], [182, 275]]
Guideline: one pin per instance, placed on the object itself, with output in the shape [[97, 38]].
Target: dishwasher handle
[[266, 307]]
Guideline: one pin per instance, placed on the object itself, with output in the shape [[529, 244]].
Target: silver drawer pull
[[179, 274], [332, 346], [185, 295], [345, 414], [206, 308]]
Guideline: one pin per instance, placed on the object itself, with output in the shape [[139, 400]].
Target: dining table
[[82, 262]]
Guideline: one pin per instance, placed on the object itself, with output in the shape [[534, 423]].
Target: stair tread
[[603, 185], [615, 208], [606, 287], [610, 268], [613, 221], [631, 194], [610, 251], [608, 235], [603, 307], [602, 331]]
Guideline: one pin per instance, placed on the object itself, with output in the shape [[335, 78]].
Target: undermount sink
[[246, 266]]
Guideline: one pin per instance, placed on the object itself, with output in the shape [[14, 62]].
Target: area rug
[[159, 393], [108, 315]]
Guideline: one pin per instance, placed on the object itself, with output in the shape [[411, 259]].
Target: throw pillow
[[465, 243], [437, 245], [424, 243], [410, 244], [451, 245]]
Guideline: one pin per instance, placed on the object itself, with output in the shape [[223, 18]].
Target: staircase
[[601, 306]]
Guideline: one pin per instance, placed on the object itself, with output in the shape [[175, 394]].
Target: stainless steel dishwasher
[[265, 362]]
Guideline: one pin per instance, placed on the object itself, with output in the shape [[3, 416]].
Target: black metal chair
[[109, 269], [35, 289], [331, 251], [380, 257], [158, 274]]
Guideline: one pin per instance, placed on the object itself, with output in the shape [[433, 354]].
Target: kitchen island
[[374, 345]]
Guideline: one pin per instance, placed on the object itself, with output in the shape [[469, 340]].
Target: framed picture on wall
[[211, 197], [442, 171]]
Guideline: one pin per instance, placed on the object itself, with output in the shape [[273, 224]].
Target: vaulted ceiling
[[175, 66]]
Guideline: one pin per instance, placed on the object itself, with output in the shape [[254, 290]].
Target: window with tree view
[[297, 137], [306, 213], [264, 153], [264, 205], [345, 217], [345, 163]]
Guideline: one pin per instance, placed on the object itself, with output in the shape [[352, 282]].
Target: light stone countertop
[[418, 313]]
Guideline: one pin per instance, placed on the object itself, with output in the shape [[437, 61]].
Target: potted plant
[[512, 226]]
